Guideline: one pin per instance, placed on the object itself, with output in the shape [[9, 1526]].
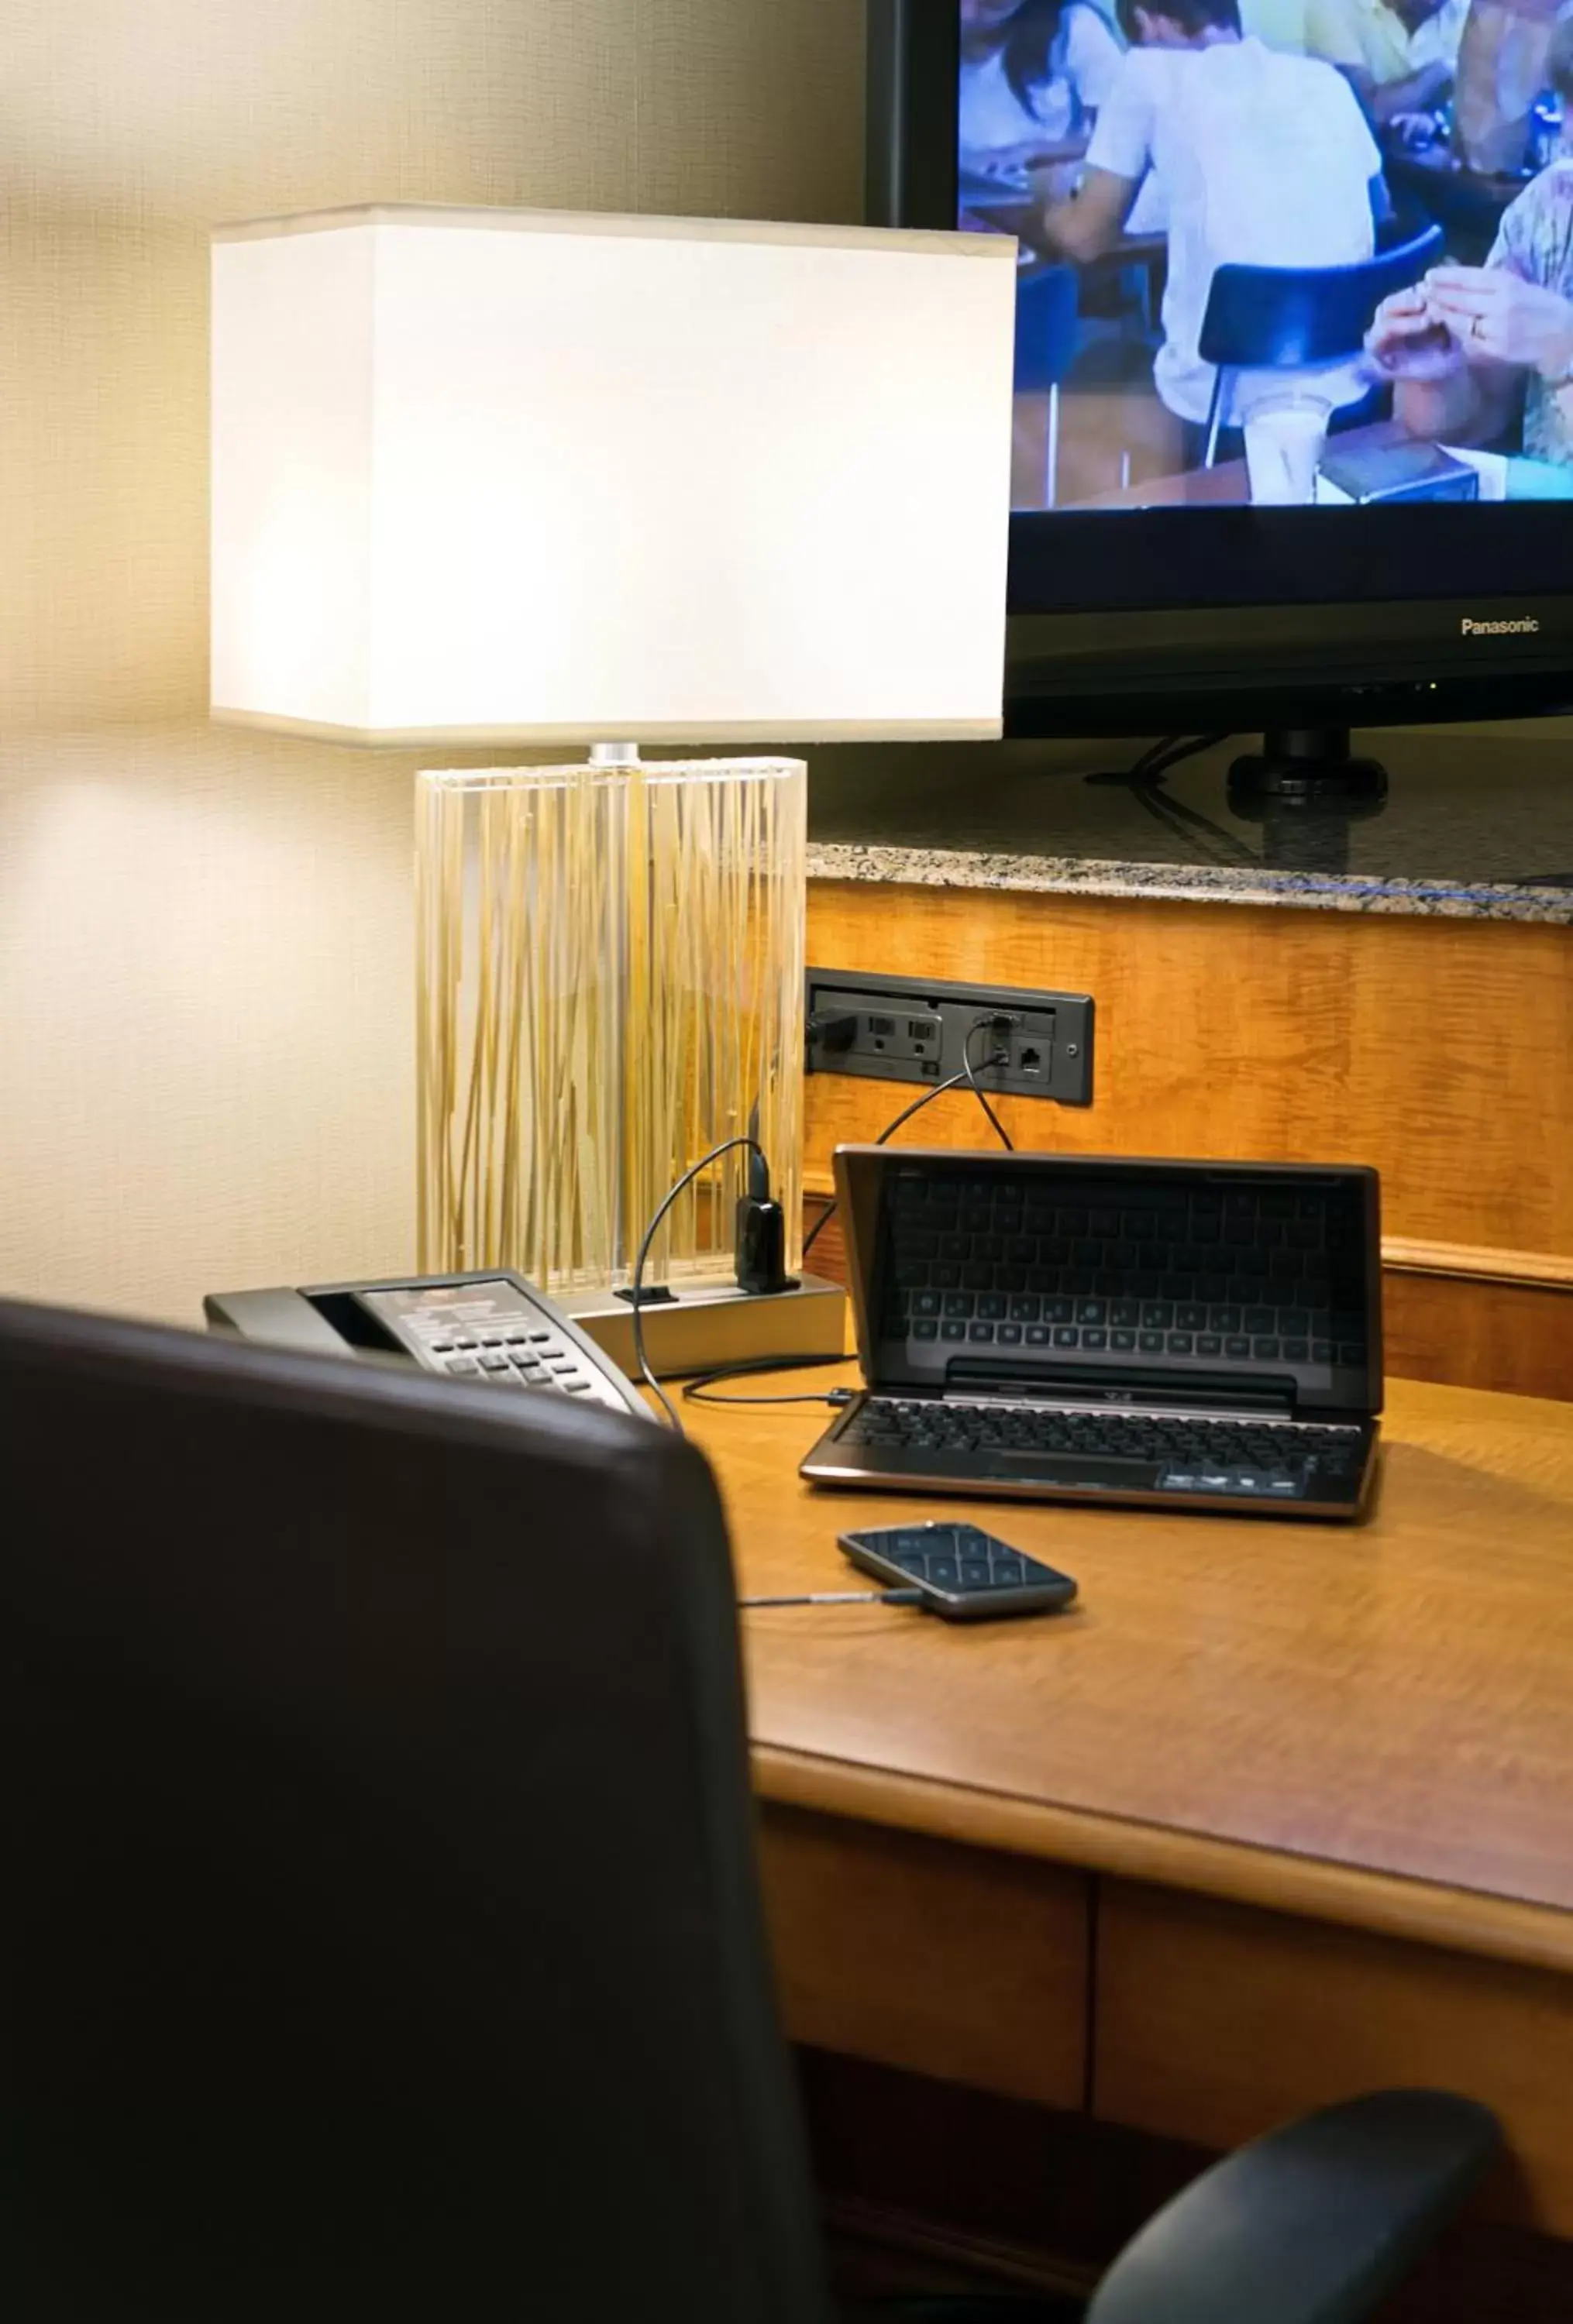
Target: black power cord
[[1185, 821], [966, 1078], [760, 1174], [1156, 761], [1144, 775], [726, 1146], [999, 1025], [695, 1391]]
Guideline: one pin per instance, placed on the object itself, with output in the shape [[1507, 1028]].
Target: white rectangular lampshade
[[531, 476]]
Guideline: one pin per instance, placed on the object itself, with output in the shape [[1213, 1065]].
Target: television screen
[[1281, 254]]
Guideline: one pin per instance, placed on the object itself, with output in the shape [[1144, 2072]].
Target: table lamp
[[498, 477]]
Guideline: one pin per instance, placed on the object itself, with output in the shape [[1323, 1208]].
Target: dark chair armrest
[[1311, 2225]]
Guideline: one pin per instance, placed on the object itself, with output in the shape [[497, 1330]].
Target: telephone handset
[[495, 1327]]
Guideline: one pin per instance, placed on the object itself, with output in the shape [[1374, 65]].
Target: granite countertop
[[1477, 825]]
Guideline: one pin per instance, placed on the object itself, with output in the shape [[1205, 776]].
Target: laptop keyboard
[[1159, 1452], [992, 1265]]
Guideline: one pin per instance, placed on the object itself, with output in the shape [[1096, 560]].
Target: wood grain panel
[[1215, 2022], [828, 1256], [1514, 1337], [907, 1952], [1537, 1269], [1437, 1050]]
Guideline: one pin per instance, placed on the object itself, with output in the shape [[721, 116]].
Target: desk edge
[[1456, 1920]]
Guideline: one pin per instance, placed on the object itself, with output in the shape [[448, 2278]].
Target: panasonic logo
[[1525, 627]]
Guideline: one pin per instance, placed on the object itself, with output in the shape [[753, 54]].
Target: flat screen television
[[1266, 543]]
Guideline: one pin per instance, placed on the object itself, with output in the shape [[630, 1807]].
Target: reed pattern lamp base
[[610, 981]]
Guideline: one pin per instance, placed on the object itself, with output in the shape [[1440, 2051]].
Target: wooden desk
[[1285, 1811]]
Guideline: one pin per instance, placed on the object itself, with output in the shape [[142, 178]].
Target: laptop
[[1182, 1335]]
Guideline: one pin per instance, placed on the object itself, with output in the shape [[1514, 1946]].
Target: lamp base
[[710, 1324], [610, 983]]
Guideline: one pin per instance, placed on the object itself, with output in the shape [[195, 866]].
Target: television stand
[[1306, 765], [1307, 793]]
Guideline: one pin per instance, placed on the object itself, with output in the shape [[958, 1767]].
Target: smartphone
[[965, 1575]]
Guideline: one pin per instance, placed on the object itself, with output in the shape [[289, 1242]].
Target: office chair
[[1282, 317], [381, 1935], [1046, 332]]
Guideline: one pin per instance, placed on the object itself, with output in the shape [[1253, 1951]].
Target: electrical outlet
[[893, 1028], [896, 1034]]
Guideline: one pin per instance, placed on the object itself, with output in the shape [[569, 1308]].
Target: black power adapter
[[759, 1250]]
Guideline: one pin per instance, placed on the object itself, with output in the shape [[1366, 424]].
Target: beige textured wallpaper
[[205, 937]]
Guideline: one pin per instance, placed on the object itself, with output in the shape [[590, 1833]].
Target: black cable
[[1156, 761], [818, 1229], [844, 1598], [726, 1146], [986, 1025], [694, 1390], [885, 1135], [1181, 747], [1137, 772], [917, 1106], [650, 1231], [1150, 767], [1144, 777], [891, 1128], [1175, 816]]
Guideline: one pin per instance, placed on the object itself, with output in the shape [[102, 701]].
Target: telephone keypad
[[492, 1329]]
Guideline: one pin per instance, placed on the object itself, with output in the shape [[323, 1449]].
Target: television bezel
[[1285, 616]]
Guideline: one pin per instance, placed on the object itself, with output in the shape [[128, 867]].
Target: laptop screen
[[1116, 1276]]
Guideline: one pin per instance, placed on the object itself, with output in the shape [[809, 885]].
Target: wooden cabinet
[[1215, 2021], [958, 1963]]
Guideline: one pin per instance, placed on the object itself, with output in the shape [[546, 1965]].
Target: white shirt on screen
[[1263, 160], [1082, 65]]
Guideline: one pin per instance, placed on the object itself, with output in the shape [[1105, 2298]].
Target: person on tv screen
[[1034, 74], [1401, 56], [1280, 23], [1502, 70], [1263, 159], [1471, 345]]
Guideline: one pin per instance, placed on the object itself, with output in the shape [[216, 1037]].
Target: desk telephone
[[495, 1327]]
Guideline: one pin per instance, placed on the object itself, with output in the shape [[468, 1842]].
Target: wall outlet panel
[[896, 1028]]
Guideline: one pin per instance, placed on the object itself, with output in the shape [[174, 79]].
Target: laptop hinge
[[1065, 1387]]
